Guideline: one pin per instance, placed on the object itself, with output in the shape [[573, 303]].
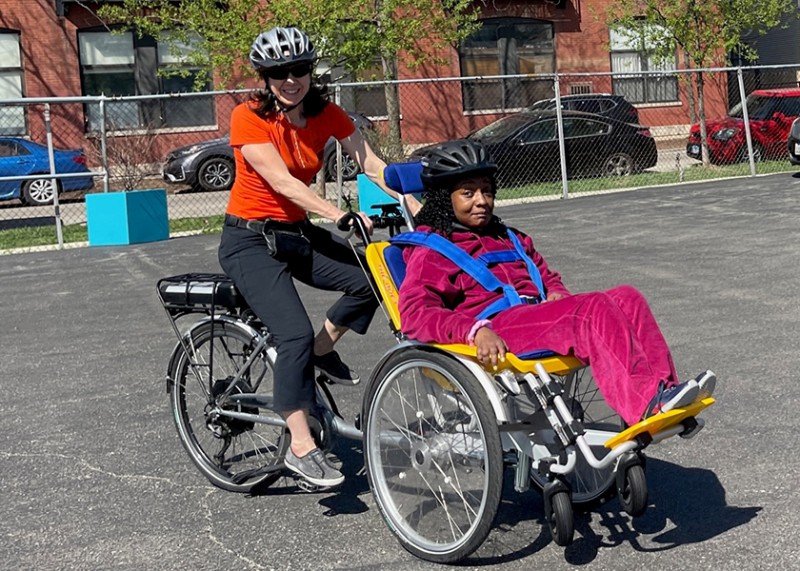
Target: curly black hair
[[313, 103], [437, 212]]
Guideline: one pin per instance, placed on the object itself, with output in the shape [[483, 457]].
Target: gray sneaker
[[314, 468]]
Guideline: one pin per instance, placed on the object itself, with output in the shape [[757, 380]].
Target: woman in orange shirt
[[278, 139]]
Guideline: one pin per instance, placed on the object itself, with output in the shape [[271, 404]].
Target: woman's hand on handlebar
[[360, 220]]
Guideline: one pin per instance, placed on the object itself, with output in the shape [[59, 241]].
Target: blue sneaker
[[668, 398]]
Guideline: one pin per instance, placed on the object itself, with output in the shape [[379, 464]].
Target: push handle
[[351, 223]]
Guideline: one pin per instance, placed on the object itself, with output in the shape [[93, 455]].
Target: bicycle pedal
[[308, 487]]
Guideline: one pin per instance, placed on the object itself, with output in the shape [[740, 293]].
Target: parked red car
[[770, 113]]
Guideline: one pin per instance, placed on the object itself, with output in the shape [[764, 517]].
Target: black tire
[[634, 496], [561, 520], [216, 173], [350, 168], [758, 154], [590, 487], [39, 192], [233, 454], [433, 454], [619, 164]]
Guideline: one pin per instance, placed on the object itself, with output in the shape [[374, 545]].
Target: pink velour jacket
[[439, 302]]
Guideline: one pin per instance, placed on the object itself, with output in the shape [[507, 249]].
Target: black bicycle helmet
[[280, 47], [449, 162]]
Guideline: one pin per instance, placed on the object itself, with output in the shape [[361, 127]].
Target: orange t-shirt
[[301, 149]]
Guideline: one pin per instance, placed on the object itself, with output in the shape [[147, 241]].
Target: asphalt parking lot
[[95, 478]]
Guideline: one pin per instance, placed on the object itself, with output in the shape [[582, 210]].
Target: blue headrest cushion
[[404, 178]]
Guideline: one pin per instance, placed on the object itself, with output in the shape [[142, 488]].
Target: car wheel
[[350, 167], [619, 164], [216, 173], [38, 192], [758, 154]]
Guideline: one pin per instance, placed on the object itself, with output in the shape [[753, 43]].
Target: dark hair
[[437, 212], [313, 103]]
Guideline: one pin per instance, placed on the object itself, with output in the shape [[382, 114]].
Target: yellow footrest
[[659, 422]]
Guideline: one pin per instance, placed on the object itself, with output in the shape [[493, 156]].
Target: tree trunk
[[690, 99], [393, 150]]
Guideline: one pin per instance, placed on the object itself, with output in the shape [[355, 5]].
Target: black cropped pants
[[266, 280]]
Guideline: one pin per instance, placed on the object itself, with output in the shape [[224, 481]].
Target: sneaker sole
[[337, 380], [312, 480], [706, 384]]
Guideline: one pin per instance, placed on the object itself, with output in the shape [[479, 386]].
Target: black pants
[[265, 279]]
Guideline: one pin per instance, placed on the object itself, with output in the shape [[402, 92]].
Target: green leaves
[[350, 33]]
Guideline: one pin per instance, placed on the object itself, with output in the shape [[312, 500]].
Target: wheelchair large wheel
[[235, 455], [590, 487], [433, 454]]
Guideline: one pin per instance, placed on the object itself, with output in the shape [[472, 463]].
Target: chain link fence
[[551, 135]]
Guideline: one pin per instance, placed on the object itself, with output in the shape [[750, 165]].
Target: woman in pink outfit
[[614, 330]]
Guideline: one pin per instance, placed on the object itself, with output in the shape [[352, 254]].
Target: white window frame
[[12, 117], [630, 57]]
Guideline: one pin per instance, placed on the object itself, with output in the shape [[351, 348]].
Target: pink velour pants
[[614, 331]]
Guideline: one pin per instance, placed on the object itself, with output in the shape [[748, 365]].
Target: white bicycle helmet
[[280, 47]]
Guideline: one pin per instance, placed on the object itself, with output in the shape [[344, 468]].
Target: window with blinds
[[12, 117]]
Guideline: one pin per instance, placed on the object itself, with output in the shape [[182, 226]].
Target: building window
[[507, 46], [631, 55], [369, 100], [120, 64], [12, 117]]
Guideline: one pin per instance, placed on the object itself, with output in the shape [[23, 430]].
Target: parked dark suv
[[770, 113], [209, 165], [613, 106]]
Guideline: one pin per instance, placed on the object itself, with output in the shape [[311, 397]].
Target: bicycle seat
[[199, 293]]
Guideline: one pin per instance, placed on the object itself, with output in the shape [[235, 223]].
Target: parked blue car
[[20, 157]]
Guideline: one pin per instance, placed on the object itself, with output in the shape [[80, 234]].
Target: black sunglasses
[[296, 72]]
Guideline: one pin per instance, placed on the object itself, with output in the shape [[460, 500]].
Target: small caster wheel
[[633, 495], [560, 518]]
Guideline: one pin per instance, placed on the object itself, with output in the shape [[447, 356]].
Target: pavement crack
[[208, 515]]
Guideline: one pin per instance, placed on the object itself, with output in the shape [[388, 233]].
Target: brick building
[[51, 48]]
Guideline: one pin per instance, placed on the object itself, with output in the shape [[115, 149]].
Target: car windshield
[[500, 129], [758, 107]]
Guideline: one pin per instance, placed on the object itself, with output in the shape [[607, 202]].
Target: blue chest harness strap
[[477, 268]]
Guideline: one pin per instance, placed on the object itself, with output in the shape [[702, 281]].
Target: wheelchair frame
[[462, 425]]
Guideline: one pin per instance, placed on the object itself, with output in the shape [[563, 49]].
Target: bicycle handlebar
[[353, 224]]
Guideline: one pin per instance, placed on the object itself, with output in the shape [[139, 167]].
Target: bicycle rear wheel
[[590, 487], [433, 454], [234, 454]]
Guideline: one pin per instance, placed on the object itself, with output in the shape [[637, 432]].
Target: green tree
[[353, 34], [705, 32]]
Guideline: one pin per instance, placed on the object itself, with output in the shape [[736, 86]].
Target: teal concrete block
[[119, 218]]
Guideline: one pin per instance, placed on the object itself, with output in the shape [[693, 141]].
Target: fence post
[[53, 183], [562, 152], [103, 148], [746, 120]]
